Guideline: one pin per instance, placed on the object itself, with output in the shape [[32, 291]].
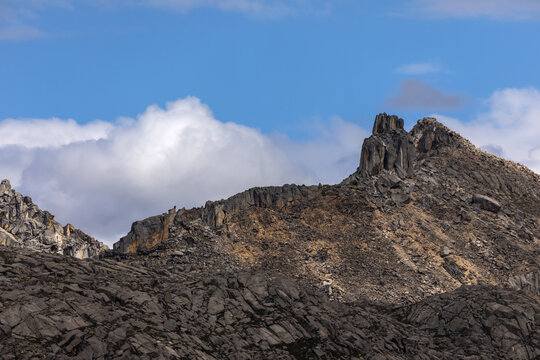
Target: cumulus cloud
[[510, 128], [101, 176], [495, 9], [416, 94], [419, 69]]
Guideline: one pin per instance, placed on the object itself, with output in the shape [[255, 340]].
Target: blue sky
[[301, 81], [274, 72]]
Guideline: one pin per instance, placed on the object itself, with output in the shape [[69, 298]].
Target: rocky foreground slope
[[23, 224], [430, 250], [58, 307]]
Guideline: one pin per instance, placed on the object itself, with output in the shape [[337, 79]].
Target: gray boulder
[[486, 203]]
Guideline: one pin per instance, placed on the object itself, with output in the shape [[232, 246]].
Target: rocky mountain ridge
[[425, 213], [24, 224], [429, 250]]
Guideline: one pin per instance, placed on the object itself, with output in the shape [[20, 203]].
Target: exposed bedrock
[[147, 233], [24, 224], [389, 148]]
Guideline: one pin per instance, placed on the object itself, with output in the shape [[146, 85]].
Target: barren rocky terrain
[[429, 250]]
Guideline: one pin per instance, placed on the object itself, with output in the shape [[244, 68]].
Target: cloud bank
[[509, 129], [102, 176]]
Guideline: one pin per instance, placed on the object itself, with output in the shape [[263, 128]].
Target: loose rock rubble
[[58, 307]]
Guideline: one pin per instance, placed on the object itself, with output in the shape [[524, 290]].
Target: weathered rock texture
[[146, 233], [379, 234], [430, 250], [57, 307], [23, 224], [389, 148]]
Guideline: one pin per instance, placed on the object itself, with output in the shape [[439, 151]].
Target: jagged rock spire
[[390, 147], [385, 123]]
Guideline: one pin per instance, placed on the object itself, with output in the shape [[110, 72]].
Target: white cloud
[[419, 69], [101, 177], [495, 9], [510, 128], [52, 132]]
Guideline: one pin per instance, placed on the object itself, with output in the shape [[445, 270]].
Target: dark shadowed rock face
[[385, 123], [429, 135], [389, 148], [23, 224], [274, 197]]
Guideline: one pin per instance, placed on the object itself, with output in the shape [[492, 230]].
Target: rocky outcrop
[[391, 148], [388, 148], [23, 224], [429, 135], [54, 307], [273, 197], [147, 233]]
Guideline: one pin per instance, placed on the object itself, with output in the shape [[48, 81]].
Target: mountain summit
[[424, 213]]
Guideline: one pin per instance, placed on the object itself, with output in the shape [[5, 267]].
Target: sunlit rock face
[[24, 224]]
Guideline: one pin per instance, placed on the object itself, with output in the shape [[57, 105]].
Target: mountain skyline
[[142, 105]]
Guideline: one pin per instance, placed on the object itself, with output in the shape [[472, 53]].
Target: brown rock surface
[[380, 236]]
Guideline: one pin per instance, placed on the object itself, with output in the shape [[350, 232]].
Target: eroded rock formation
[[389, 148], [147, 233], [23, 224]]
